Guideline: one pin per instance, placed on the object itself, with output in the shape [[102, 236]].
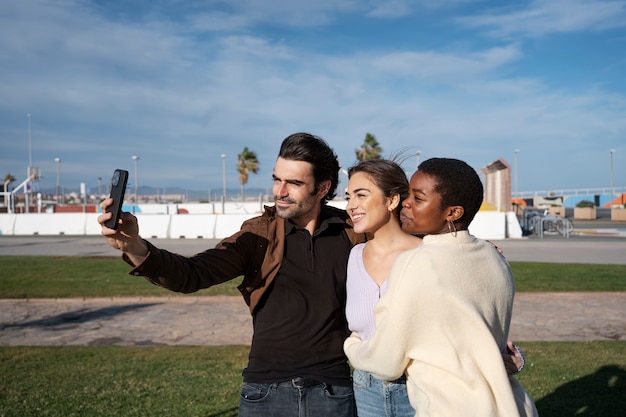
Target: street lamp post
[[58, 161], [99, 186], [224, 177], [417, 157], [515, 171], [612, 151], [30, 165], [136, 158], [30, 146]]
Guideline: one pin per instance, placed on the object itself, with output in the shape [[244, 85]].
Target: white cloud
[[544, 17], [241, 14], [390, 8], [444, 65]]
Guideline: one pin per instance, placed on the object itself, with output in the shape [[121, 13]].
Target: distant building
[[498, 185]]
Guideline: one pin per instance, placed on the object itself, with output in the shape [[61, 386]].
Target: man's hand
[[514, 360], [126, 237], [496, 247]]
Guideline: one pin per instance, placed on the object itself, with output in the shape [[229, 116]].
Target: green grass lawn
[[121, 381], [57, 277], [566, 379], [62, 277]]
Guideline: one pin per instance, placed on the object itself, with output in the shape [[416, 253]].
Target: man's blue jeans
[[378, 398], [298, 398]]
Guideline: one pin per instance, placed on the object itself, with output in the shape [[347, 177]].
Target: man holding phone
[[293, 258]]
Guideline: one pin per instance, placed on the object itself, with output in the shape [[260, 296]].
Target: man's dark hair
[[314, 150], [457, 183]]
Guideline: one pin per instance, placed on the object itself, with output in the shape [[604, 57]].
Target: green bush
[[585, 203]]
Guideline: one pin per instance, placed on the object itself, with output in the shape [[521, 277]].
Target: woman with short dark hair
[[444, 320]]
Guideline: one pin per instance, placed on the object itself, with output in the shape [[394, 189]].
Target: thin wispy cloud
[[180, 83], [544, 17]]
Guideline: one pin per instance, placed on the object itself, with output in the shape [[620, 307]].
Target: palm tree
[[369, 150], [8, 179], [247, 162]]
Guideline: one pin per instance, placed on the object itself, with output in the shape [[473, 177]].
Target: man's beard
[[296, 209]]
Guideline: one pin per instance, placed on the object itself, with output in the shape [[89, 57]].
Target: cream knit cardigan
[[444, 320]]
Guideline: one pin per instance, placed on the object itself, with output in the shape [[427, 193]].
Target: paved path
[[189, 320], [193, 320], [179, 320], [576, 249]]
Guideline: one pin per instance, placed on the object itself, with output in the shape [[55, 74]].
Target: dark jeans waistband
[[301, 382]]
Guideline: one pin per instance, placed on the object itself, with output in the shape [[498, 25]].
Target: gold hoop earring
[[452, 228]]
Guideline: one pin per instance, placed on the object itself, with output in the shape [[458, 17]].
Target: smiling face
[[421, 210], [295, 192], [367, 205]]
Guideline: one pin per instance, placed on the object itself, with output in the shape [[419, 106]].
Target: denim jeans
[[287, 399], [377, 398]]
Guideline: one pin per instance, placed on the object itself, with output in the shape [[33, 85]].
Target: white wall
[[7, 224], [486, 224]]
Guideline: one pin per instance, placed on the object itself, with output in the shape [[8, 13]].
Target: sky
[[541, 84]]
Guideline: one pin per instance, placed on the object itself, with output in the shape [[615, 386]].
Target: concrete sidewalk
[[596, 249]]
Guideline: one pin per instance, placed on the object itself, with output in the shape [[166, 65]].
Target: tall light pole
[[612, 151], [58, 161], [223, 177], [30, 164], [136, 158], [515, 171], [417, 157], [99, 186], [30, 146]]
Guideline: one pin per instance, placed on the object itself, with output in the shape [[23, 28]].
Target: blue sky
[[179, 83]]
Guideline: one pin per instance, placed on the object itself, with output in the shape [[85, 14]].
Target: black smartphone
[[118, 189]]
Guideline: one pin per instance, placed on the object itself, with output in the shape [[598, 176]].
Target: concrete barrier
[[7, 224], [92, 227], [195, 226], [513, 228], [154, 225], [227, 224], [489, 225], [50, 224], [486, 225]]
